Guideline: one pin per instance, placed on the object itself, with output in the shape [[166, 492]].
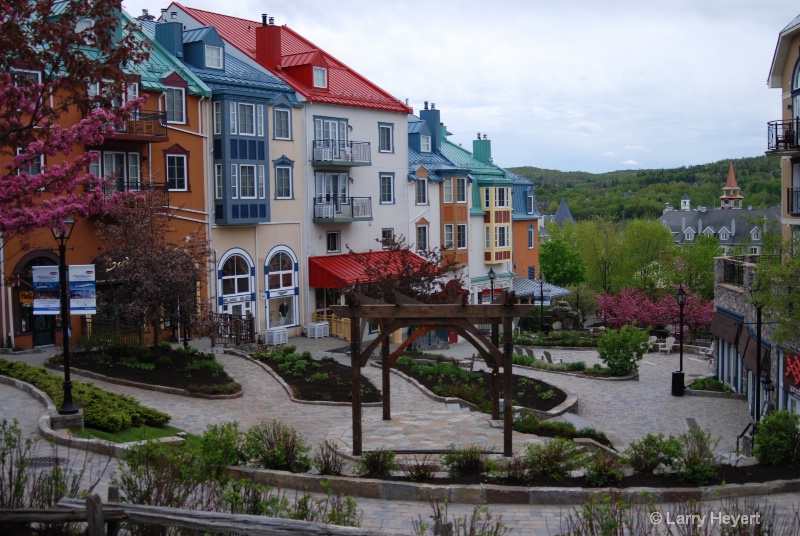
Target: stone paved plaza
[[624, 410]]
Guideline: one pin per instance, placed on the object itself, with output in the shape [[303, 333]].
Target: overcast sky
[[578, 85]]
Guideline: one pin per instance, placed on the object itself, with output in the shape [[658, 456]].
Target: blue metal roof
[[522, 189], [532, 287]]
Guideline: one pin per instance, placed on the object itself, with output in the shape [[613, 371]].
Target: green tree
[[694, 265], [645, 245], [779, 292], [561, 262], [601, 249]]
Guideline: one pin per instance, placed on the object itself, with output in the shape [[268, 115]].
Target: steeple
[[731, 198]]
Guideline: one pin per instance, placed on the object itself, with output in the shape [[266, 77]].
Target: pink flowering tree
[[52, 51]]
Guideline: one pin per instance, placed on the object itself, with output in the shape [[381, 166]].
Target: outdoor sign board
[[46, 290], [82, 290], [791, 375]]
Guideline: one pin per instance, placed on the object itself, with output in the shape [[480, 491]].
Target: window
[[487, 237], [320, 77], [688, 235], [213, 57], [282, 287], [176, 172], [22, 75], [461, 236], [260, 119], [235, 284], [283, 124], [723, 234], [218, 181], [756, 233], [531, 237], [486, 198], [529, 204], [755, 250], [175, 105], [32, 166], [422, 191], [448, 236], [461, 190], [247, 119], [261, 182], [448, 189], [232, 118], [501, 197], [387, 237], [385, 138], [132, 93], [247, 181], [501, 236], [234, 181], [422, 237], [387, 189], [217, 117], [122, 168], [283, 182], [333, 242], [425, 144]]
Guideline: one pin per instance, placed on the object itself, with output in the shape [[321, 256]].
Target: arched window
[[280, 274], [235, 280]]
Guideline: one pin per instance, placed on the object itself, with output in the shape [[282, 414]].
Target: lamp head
[[63, 230], [680, 296], [491, 274]]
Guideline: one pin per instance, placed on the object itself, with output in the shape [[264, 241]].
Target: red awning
[[339, 271]]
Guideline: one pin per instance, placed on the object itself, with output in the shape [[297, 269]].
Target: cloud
[[631, 162]]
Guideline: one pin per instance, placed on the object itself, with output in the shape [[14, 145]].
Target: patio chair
[[529, 351], [548, 357], [666, 346], [652, 343]]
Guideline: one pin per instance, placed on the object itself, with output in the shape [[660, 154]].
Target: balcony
[[157, 192], [333, 209], [793, 201], [341, 153], [144, 127], [782, 137], [734, 268]]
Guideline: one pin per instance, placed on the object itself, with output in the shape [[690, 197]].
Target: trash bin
[[677, 383]]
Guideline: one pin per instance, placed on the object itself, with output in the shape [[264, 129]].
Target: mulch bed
[[728, 475], [337, 388], [168, 368], [524, 395]]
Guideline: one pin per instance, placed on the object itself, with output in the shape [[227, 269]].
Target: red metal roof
[[345, 86], [339, 271]]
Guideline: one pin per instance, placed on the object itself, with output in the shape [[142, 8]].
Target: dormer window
[[320, 77], [723, 234], [425, 144], [756, 233], [213, 57], [689, 235], [529, 204]]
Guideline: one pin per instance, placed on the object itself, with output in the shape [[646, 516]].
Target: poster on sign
[[82, 290], [46, 291]]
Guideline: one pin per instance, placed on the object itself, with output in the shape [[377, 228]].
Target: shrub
[[647, 454], [556, 458], [697, 462], [777, 440], [326, 460], [710, 384], [516, 469], [471, 460], [421, 470], [622, 350], [577, 366], [378, 463], [274, 445], [603, 470], [220, 447], [524, 360]]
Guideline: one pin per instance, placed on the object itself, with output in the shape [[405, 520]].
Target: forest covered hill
[[643, 193]]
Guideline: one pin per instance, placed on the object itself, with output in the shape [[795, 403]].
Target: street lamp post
[[541, 301], [678, 383], [754, 290], [492, 277], [62, 232]]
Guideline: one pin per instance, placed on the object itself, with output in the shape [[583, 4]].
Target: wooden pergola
[[461, 318]]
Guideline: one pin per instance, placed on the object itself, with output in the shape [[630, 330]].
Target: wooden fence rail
[[97, 515]]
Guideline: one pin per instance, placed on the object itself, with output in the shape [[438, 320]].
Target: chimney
[[268, 43], [700, 226], [733, 226], [170, 34], [482, 149], [432, 118], [683, 224]]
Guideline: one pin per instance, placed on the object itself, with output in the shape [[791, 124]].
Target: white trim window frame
[[421, 192], [486, 198], [247, 119], [461, 189], [387, 189], [33, 167], [218, 182], [487, 237], [283, 182], [448, 236], [501, 197], [247, 181], [333, 242], [448, 190], [26, 73], [175, 105], [262, 182], [217, 113], [422, 237], [282, 129], [260, 120], [232, 119], [531, 237], [387, 237], [177, 173], [320, 77], [234, 181], [501, 236], [424, 144], [461, 236], [214, 59], [529, 204], [385, 138]]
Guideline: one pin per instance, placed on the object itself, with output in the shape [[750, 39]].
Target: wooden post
[[385, 366], [508, 391], [495, 374], [112, 527], [95, 524], [355, 363]]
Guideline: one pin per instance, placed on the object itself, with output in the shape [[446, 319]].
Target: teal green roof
[[485, 175]]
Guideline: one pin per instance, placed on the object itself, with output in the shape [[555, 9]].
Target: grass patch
[[129, 434]]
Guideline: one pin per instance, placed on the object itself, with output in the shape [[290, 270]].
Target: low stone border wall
[[570, 405], [714, 394], [495, 494], [277, 377]]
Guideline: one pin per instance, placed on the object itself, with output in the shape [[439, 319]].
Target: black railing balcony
[[793, 201], [735, 267], [342, 209], [144, 126], [783, 135], [157, 191], [341, 153]]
